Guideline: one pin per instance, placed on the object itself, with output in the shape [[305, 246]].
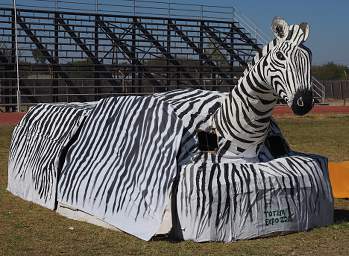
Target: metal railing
[[149, 8], [318, 90]]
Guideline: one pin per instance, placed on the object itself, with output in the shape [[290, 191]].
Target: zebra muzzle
[[302, 102]]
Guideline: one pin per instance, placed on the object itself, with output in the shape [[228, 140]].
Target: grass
[[28, 229], [324, 135]]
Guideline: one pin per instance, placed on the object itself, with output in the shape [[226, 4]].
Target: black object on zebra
[[208, 141], [277, 146]]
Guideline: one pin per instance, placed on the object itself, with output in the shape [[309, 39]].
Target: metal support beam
[[168, 49], [198, 50], [125, 49], [96, 46], [104, 73], [163, 50], [224, 45], [201, 49], [56, 58], [231, 57], [77, 40], [13, 59], [48, 56], [246, 38], [133, 51]]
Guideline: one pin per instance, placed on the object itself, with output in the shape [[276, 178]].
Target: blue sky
[[328, 20]]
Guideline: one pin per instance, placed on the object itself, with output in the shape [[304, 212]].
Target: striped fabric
[[194, 107], [122, 166], [232, 201], [38, 142]]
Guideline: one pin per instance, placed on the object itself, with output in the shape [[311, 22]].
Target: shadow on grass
[[341, 215], [167, 237]]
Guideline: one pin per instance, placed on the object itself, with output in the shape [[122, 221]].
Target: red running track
[[14, 118], [11, 118], [318, 109]]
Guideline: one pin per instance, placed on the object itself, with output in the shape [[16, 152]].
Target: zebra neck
[[244, 116], [255, 96]]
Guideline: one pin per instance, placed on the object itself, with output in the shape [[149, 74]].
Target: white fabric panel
[[232, 201], [122, 166], [36, 147]]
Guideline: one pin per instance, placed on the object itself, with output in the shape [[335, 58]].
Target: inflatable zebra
[[133, 163], [242, 118]]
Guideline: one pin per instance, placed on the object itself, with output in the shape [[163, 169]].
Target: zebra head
[[289, 62]]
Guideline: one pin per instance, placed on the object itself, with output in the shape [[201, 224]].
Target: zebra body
[[124, 160]]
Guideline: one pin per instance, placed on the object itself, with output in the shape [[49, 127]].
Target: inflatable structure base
[[79, 215], [233, 201], [114, 163]]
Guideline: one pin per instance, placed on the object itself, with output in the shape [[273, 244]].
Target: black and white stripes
[[233, 201], [122, 166], [281, 71], [38, 142], [194, 108], [242, 118]]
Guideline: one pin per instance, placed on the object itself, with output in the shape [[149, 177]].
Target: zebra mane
[[266, 48]]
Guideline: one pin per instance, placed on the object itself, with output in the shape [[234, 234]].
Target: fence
[[336, 89]]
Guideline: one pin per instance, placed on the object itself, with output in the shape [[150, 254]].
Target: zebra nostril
[[300, 102]]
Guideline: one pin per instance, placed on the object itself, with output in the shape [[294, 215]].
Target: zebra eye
[[280, 56]]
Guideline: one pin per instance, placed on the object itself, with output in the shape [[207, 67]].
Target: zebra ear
[[280, 28], [305, 28]]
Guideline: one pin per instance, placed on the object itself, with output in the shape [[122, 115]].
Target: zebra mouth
[[302, 102]]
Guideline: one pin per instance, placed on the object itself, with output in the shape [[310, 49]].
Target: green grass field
[[28, 229]]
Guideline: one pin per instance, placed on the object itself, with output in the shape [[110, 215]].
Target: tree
[[330, 71], [80, 69], [214, 53], [5, 53], [38, 56]]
